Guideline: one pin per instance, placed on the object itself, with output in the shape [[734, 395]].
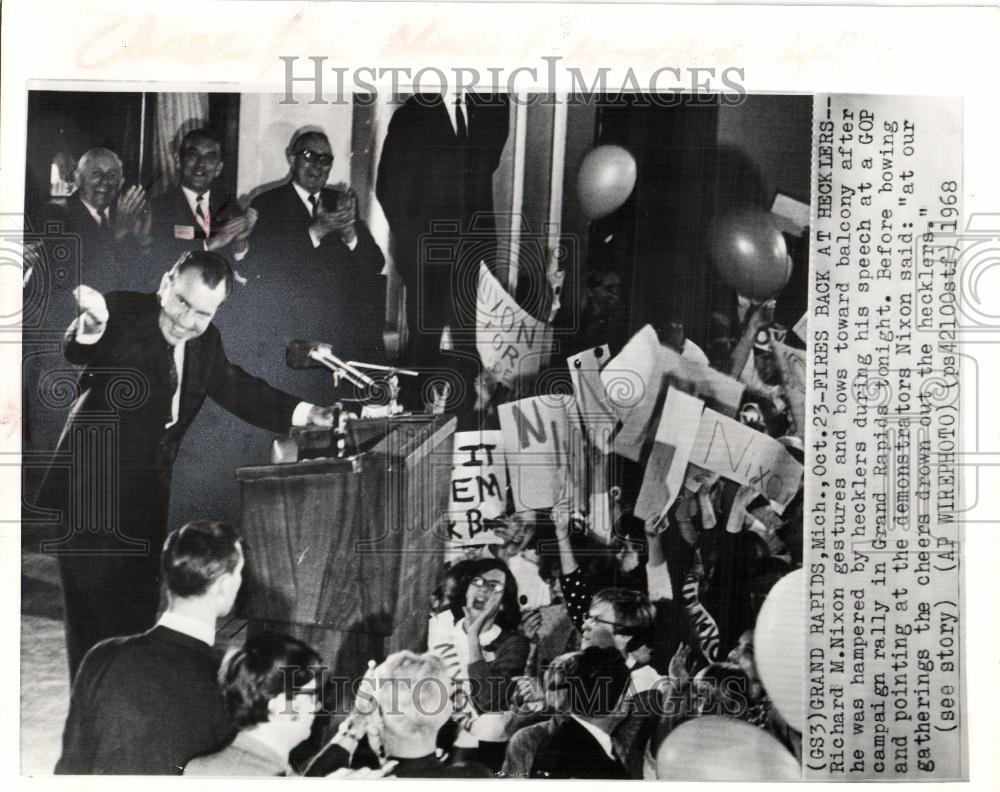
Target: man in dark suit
[[112, 226], [581, 746], [435, 175], [194, 216], [149, 360], [313, 258], [150, 702]]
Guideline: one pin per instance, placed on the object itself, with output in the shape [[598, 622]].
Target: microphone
[[312, 354]]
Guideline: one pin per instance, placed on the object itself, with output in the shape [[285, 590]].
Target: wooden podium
[[344, 553]]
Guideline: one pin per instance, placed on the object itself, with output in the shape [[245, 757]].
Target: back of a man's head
[[197, 555], [414, 695], [597, 678]]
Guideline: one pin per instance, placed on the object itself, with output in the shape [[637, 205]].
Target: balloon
[[749, 253], [717, 748], [780, 647], [605, 180]]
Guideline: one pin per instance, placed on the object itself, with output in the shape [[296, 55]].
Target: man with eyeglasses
[[313, 271], [194, 215], [149, 362]]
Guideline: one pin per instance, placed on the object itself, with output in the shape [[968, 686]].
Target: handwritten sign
[[478, 488], [742, 454], [668, 461], [511, 342], [792, 365], [535, 433]]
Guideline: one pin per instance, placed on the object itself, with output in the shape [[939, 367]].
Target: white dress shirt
[[195, 628], [304, 196]]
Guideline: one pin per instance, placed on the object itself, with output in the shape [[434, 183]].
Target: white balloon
[[780, 647], [605, 180]]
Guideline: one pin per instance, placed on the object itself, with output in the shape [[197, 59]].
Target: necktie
[[103, 224], [202, 213], [461, 130], [174, 380], [312, 200]]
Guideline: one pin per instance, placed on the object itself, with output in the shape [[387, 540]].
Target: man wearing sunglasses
[[313, 271]]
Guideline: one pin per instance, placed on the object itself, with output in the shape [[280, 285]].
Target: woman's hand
[[475, 623]]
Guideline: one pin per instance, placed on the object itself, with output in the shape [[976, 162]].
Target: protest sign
[[633, 381], [478, 488], [740, 453], [534, 433], [668, 461], [511, 342], [592, 404]]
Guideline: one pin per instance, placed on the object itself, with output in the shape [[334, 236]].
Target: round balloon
[[605, 180], [717, 748], [780, 647], [749, 253]]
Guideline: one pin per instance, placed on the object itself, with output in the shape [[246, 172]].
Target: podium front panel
[[348, 551]]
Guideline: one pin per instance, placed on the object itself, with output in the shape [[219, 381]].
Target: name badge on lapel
[[183, 232]]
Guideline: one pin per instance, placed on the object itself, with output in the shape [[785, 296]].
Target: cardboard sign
[[634, 381], [739, 453], [511, 342], [792, 365], [668, 461], [535, 433], [593, 407], [478, 489]]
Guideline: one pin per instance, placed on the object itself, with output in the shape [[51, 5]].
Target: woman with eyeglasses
[[485, 652]]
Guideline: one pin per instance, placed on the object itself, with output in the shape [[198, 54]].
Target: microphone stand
[[340, 368]]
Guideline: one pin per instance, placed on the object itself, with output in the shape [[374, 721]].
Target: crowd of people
[[551, 654]]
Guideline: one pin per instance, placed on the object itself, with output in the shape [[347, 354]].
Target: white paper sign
[[592, 404], [478, 489], [535, 433], [634, 381], [511, 342], [668, 461], [740, 453]]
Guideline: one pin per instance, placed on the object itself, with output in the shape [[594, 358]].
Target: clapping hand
[[133, 216], [234, 231]]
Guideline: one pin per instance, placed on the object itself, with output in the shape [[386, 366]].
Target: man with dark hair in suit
[[149, 360], [312, 255], [148, 703], [194, 216], [581, 746], [434, 177]]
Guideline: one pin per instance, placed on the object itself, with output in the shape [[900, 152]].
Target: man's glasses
[[591, 617], [311, 156], [492, 585]]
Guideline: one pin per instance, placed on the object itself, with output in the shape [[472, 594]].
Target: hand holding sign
[[93, 309]]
